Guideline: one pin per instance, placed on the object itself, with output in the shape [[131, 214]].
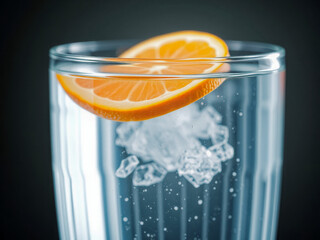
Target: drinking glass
[[153, 179]]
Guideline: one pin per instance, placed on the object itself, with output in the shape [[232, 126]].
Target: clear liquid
[[241, 202]]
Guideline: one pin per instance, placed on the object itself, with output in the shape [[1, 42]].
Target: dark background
[[30, 28]]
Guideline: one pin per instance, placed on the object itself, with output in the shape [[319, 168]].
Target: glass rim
[[60, 52]]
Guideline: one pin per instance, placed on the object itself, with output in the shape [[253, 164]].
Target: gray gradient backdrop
[[30, 28]]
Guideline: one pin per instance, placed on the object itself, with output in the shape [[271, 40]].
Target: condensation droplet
[[200, 202]]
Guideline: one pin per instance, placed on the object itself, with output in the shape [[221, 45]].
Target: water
[[208, 171]]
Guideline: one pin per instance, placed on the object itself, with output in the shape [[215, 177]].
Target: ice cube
[[205, 123], [127, 166], [162, 143], [222, 152], [161, 139], [185, 118], [185, 115], [148, 174], [125, 131], [181, 118], [219, 135], [198, 166], [193, 143], [138, 145], [213, 113], [202, 126], [166, 145]]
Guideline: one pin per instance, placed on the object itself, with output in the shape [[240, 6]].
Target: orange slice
[[139, 98]]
